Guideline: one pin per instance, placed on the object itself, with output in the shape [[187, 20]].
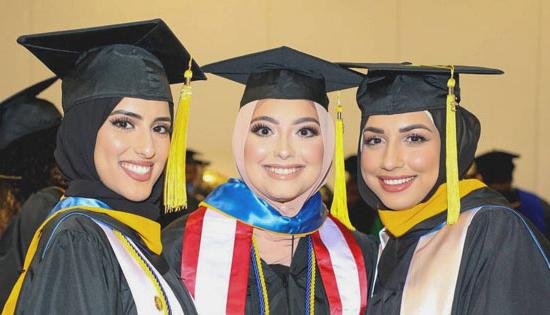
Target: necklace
[[261, 285]]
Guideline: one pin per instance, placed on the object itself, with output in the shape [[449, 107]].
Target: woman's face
[[400, 158], [132, 147], [283, 152]]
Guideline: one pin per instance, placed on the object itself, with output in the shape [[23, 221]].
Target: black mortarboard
[[392, 88], [496, 166], [24, 113], [191, 157], [285, 73], [136, 59]]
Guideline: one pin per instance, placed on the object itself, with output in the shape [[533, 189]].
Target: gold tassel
[[339, 207], [175, 192], [453, 193]]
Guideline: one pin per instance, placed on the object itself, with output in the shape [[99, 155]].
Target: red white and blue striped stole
[[216, 261]]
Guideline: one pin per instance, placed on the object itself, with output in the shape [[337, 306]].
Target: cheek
[[312, 150], [425, 160], [370, 159], [163, 149], [109, 145], [255, 150]]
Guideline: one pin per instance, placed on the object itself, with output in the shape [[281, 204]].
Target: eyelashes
[[126, 124], [263, 130], [121, 122], [412, 139]]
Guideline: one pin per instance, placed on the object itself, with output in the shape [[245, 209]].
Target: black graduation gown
[[18, 236], [79, 273], [501, 271], [285, 288]]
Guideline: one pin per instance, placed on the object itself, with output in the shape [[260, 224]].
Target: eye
[[122, 123], [415, 138], [261, 130], [372, 141], [308, 132], [162, 129]]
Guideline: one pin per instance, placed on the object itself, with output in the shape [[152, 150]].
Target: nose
[[392, 158], [284, 148], [144, 145]]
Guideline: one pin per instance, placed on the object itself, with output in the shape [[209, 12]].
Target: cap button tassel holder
[[175, 192]]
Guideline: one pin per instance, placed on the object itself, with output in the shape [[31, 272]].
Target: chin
[[136, 194]]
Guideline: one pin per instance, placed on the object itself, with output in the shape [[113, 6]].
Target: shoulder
[[499, 228], [72, 229]]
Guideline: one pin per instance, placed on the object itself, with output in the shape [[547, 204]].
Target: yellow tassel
[[339, 207], [453, 193], [175, 192]]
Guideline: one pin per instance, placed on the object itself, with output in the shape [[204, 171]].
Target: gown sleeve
[[505, 269], [74, 276]]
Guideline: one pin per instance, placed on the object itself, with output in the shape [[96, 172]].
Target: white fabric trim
[[214, 263], [344, 266], [433, 272], [143, 291]]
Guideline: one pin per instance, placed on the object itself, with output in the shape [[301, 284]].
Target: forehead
[[144, 107], [285, 109], [397, 121]]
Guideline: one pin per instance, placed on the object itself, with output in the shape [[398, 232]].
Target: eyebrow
[[373, 129], [271, 120], [306, 119], [138, 116], [414, 126], [126, 113]]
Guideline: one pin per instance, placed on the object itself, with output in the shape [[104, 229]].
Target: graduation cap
[[23, 113], [137, 59], [496, 166], [285, 73], [394, 88]]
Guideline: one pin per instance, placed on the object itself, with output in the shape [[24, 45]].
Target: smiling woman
[[416, 145], [99, 251], [265, 243]]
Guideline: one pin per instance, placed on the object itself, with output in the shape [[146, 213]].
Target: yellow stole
[[400, 222], [148, 230]]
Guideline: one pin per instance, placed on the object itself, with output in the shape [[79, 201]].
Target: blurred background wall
[[512, 35]]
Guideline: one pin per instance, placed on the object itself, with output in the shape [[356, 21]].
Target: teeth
[[136, 168], [283, 171], [397, 181]]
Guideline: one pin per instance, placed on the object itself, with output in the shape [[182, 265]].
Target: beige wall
[[513, 35]]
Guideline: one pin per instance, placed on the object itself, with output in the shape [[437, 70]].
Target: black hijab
[[468, 133], [74, 154]]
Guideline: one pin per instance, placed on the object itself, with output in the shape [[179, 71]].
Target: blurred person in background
[[30, 182], [496, 169]]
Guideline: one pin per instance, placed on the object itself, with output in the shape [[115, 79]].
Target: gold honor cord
[[339, 207], [263, 285], [175, 192], [8, 177], [160, 299]]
